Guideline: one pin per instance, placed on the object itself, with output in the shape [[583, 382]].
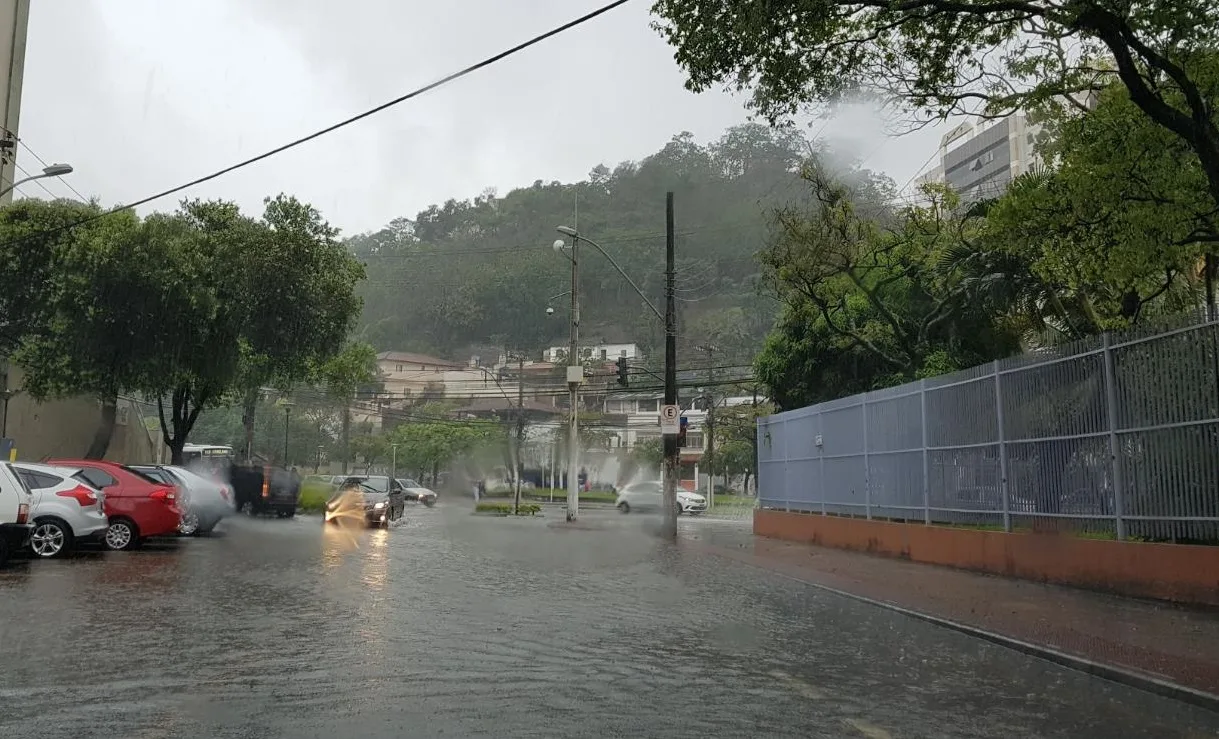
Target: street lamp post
[[575, 368], [54, 170], [287, 418], [575, 375]]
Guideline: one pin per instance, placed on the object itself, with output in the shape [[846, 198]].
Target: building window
[[399, 368], [604, 355], [649, 406], [694, 440]]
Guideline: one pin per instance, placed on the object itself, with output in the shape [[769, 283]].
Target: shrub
[[314, 496], [505, 509]]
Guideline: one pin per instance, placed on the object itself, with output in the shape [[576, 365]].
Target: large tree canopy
[[957, 56]]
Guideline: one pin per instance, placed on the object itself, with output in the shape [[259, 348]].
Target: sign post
[[670, 420]]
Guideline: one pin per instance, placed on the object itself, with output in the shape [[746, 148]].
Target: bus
[[207, 455]]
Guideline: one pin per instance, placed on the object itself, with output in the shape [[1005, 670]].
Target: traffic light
[[681, 432], [622, 371]]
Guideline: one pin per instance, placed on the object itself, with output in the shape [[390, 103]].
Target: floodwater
[[453, 625]]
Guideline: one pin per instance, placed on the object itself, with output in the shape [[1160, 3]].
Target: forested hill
[[479, 273]]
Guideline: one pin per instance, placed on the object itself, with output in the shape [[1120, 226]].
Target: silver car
[[649, 496], [66, 508], [205, 501]]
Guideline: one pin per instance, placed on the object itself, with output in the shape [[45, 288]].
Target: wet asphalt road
[[450, 625]]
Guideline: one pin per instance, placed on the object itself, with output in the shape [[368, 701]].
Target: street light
[[287, 416], [575, 369], [54, 170]]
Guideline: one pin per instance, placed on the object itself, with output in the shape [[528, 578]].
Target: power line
[[341, 124]]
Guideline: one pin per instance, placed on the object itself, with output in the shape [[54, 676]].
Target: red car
[[136, 505]]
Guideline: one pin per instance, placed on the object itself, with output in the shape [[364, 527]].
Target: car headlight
[[378, 506]]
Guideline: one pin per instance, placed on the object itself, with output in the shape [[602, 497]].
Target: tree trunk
[[248, 408], [346, 435], [105, 429]]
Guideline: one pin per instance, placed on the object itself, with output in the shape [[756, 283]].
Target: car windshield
[[369, 484], [406, 482], [146, 475]]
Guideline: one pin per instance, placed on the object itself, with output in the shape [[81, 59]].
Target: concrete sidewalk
[[1157, 646]]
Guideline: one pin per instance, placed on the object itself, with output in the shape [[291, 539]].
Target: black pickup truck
[[262, 489]]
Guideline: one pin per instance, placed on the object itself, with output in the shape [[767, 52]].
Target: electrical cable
[[335, 126]]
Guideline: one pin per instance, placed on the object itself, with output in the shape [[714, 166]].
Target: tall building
[[979, 158]]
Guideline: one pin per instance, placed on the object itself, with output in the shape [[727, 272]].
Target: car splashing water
[[346, 510]]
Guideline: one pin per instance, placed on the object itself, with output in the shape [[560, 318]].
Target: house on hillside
[[596, 352], [407, 375]]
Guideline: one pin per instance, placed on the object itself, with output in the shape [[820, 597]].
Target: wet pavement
[[460, 626]]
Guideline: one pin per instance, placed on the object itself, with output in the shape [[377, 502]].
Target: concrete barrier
[[1175, 572]]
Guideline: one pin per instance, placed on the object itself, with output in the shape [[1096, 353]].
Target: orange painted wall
[[1176, 572]]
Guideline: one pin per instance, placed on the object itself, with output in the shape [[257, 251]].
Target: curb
[[1124, 676]]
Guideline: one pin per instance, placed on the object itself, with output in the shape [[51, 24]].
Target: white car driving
[[648, 496], [66, 508]]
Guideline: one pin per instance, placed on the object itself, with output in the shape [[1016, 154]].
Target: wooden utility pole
[[672, 461]]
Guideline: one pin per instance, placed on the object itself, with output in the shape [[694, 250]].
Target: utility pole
[[575, 375], [519, 430], [393, 464], [671, 463], [287, 417], [709, 435], [14, 21]]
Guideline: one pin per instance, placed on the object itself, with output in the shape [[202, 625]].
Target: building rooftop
[[413, 358]]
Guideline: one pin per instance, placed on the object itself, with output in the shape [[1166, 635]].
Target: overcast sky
[[140, 95]]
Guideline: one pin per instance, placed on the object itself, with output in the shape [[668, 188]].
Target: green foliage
[[505, 509], [648, 452], [870, 295], [314, 495], [186, 307], [943, 57], [476, 275]]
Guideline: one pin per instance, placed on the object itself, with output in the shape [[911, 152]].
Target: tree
[[343, 377], [427, 447], [946, 57], [1121, 218], [736, 439], [196, 347], [33, 233], [867, 301], [299, 285], [108, 286]]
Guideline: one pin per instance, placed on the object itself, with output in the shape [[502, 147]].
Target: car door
[[651, 494], [116, 503]]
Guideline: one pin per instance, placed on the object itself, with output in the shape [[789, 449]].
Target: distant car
[[15, 504], [137, 506], [380, 499], [265, 489], [649, 496], [204, 501], [414, 491], [67, 509]]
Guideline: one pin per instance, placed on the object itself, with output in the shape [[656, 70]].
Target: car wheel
[[624, 507], [51, 538], [429, 502], [677, 508], [122, 535], [189, 526]]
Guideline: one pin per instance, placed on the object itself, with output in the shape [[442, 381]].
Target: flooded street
[[452, 625]]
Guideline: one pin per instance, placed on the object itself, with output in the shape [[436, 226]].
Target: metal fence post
[[922, 396], [1007, 508], [1114, 444], [821, 461], [867, 468]]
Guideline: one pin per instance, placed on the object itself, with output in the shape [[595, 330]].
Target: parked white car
[[15, 505], [648, 496], [204, 501], [66, 509]]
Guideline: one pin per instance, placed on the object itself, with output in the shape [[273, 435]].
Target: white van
[[15, 503]]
